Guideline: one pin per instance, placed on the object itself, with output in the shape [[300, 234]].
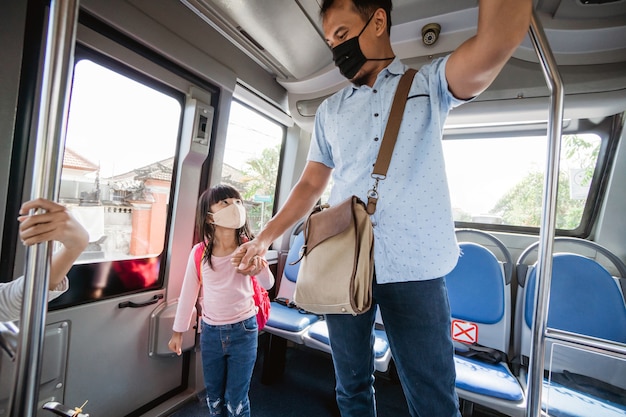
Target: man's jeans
[[416, 316], [228, 356]]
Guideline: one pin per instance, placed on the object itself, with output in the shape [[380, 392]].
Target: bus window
[[500, 180], [116, 179], [251, 161]]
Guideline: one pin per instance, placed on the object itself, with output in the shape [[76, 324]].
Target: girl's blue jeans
[[228, 357], [416, 316]]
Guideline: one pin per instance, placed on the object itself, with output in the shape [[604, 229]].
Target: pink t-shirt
[[226, 294]]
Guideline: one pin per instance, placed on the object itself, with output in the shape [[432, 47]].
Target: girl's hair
[[206, 230]]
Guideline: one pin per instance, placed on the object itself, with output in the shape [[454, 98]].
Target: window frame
[[83, 52], [283, 143], [608, 130]]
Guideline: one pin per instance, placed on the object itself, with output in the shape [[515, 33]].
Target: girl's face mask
[[232, 216]]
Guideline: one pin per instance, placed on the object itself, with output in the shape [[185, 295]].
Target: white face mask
[[232, 217]]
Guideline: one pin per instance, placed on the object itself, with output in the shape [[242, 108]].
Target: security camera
[[430, 33]]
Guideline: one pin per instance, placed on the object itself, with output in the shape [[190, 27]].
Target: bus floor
[[307, 390]]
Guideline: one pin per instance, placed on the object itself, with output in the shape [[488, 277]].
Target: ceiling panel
[[277, 31]]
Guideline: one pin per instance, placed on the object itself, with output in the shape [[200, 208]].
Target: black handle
[[135, 305], [62, 410]]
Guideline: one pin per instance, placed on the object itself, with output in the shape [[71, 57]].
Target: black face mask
[[349, 57]]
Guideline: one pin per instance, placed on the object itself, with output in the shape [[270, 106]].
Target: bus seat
[[286, 322], [486, 379], [585, 298], [566, 402], [480, 306], [317, 338]]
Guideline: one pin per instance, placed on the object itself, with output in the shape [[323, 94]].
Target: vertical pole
[[548, 219], [51, 127]]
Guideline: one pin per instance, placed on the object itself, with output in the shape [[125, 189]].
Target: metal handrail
[[51, 127], [588, 343], [548, 216]]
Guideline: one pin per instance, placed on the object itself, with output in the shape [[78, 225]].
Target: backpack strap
[[198, 251]]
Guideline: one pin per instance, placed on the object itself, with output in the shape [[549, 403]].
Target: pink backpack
[[261, 297]]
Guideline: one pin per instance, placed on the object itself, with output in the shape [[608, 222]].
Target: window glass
[[116, 178], [251, 161], [500, 181]]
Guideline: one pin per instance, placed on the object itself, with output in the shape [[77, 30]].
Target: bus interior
[[137, 106]]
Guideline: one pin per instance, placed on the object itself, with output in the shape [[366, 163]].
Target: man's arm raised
[[502, 26]]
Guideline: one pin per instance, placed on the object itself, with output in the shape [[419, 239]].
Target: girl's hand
[[257, 264], [176, 343], [249, 258]]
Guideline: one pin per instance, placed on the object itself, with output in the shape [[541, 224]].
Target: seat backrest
[[480, 299], [290, 272], [584, 299]]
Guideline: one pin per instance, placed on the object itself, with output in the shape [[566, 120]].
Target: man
[[415, 245], [56, 223]]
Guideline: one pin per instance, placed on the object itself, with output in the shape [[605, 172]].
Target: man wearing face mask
[[414, 240]]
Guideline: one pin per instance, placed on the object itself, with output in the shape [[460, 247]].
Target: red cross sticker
[[464, 331]]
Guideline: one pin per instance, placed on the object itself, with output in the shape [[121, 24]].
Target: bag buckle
[[372, 195]]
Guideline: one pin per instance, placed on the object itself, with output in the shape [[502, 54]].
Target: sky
[[121, 134], [249, 134], [471, 164], [118, 134], [481, 171]]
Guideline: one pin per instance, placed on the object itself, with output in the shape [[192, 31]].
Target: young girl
[[229, 327]]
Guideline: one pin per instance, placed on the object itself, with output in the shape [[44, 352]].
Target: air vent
[[215, 17], [251, 39]]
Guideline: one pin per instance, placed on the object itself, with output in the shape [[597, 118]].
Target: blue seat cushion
[[289, 319], [493, 380], [319, 332], [381, 345], [561, 401]]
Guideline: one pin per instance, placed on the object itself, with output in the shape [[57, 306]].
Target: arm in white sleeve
[[12, 295]]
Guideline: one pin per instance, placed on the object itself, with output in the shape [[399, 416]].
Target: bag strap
[[389, 139], [198, 251]]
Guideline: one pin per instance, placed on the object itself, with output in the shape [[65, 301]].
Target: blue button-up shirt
[[413, 227]]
